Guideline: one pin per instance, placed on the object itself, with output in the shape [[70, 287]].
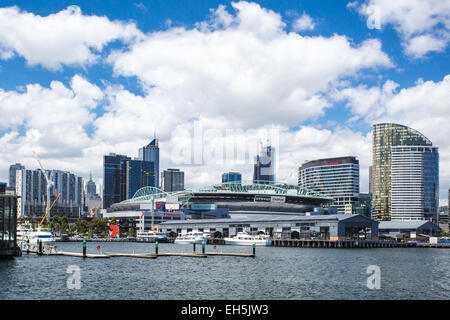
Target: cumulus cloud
[[423, 25], [64, 38], [245, 67], [305, 22]]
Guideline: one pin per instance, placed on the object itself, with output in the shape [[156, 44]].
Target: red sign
[[331, 163], [158, 204], [115, 229]]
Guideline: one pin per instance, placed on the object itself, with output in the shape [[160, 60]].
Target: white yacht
[[245, 239], [150, 236], [26, 234], [191, 237]]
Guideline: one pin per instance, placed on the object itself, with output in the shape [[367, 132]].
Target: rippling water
[[275, 273]]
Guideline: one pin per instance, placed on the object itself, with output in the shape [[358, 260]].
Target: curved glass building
[[399, 174]]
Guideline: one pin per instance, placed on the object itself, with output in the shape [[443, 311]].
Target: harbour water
[[275, 273]]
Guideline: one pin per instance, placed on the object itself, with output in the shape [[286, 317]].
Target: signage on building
[[263, 198], [278, 199], [172, 206], [172, 214]]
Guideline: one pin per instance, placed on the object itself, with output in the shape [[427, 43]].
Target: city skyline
[[101, 92]]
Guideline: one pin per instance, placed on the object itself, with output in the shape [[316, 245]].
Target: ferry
[[192, 237], [245, 239], [151, 236]]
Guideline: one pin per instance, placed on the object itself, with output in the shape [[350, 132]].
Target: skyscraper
[[114, 179], [334, 177], [264, 169], [12, 173], [139, 174], [150, 152], [415, 183], [232, 178], [385, 137], [172, 180], [91, 188]]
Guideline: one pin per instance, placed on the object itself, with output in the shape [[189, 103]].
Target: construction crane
[[93, 213], [48, 179]]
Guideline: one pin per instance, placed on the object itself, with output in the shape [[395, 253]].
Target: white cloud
[[244, 67], [64, 38], [423, 25], [305, 22]]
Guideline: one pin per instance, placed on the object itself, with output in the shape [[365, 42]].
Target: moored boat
[[245, 239]]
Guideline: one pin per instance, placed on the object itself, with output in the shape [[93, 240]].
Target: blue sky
[[136, 81]]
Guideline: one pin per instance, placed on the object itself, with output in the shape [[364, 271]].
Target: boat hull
[[189, 241], [234, 242]]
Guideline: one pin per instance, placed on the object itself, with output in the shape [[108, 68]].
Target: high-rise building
[[334, 177], [385, 137], [414, 183], [232, 178], [150, 152], [31, 187], [172, 180], [114, 179], [370, 180], [12, 173], [91, 188], [264, 169], [139, 174]]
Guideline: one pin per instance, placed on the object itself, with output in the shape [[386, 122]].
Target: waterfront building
[[139, 174], [385, 137], [370, 180], [264, 168], [8, 223], [12, 173], [150, 152], [114, 179], [410, 229], [325, 227], [31, 187], [232, 178], [335, 177], [172, 180], [414, 183], [2, 187]]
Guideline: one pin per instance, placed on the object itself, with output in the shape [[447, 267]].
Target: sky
[[215, 80]]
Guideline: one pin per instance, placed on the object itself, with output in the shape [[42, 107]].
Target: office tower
[[12, 173], [91, 188], [172, 180], [334, 177], [386, 136], [414, 183], [31, 187], [232, 178], [114, 179], [264, 169], [370, 180], [151, 153], [139, 174]]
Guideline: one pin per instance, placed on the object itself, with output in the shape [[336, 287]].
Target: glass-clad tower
[[151, 153], [232, 178], [385, 137], [415, 183], [264, 168], [334, 177]]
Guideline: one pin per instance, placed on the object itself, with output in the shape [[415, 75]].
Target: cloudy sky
[[213, 79]]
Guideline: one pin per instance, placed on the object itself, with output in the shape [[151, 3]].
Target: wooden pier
[[132, 255], [230, 254], [352, 244], [191, 255]]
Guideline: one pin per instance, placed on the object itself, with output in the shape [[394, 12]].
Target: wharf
[[340, 243], [132, 255], [191, 255], [230, 254]]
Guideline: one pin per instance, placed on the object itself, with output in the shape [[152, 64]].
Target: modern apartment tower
[[12, 173], [264, 169], [150, 152], [31, 187], [172, 180], [415, 183], [334, 177], [405, 179], [232, 178]]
